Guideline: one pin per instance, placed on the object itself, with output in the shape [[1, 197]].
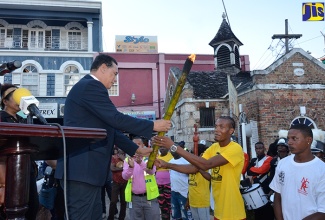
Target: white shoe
[[103, 215]]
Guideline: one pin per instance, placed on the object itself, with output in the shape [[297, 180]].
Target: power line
[[286, 36], [279, 53], [293, 32], [310, 39], [266, 59], [272, 53], [292, 43], [226, 13], [263, 54]]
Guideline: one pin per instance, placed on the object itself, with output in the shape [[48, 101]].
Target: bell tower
[[226, 49]]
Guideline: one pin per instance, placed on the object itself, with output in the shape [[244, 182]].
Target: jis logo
[[313, 11]]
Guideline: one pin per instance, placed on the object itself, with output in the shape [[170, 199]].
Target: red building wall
[[135, 81]]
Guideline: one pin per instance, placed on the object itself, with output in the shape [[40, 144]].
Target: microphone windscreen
[[20, 92], [14, 65]]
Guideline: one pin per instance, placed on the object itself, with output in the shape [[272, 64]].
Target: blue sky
[[187, 26]]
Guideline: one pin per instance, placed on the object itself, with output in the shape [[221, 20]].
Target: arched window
[[3, 23], [74, 35], [37, 38], [74, 38], [71, 77], [35, 35], [30, 79], [223, 56], [304, 120], [5, 34]]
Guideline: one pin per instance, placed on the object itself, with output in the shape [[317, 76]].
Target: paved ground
[[118, 206], [127, 210]]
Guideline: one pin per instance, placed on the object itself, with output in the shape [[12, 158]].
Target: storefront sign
[[49, 110], [149, 115], [136, 44]]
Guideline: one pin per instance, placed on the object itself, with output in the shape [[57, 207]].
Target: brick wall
[[275, 109], [314, 74]]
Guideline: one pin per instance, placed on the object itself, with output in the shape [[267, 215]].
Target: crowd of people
[[285, 182]]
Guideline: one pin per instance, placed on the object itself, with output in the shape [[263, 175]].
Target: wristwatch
[[173, 148]]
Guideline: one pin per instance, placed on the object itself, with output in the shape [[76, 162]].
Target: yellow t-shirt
[[166, 158], [199, 191], [225, 180]]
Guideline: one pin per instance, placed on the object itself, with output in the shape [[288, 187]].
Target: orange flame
[[192, 57]]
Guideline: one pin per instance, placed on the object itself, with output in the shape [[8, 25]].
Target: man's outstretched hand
[[161, 164], [162, 141], [162, 125], [143, 151]]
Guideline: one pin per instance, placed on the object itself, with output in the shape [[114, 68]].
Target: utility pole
[[286, 36]]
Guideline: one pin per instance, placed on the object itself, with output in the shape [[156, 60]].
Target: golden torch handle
[[173, 101]]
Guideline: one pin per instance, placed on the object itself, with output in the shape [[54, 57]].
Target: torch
[[173, 101]]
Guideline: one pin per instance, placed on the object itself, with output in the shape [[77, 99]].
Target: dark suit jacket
[[88, 105]]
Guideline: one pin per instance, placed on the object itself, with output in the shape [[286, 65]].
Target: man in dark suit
[[88, 105]]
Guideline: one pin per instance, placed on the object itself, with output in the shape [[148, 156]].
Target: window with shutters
[[114, 90], [223, 56], [74, 38]]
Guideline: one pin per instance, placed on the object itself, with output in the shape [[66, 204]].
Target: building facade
[[290, 91], [54, 41]]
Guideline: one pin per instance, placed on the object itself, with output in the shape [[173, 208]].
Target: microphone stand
[[30, 118]]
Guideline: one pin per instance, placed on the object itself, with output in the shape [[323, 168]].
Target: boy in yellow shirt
[[199, 190], [225, 158]]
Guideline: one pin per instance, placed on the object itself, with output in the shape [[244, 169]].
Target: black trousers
[[266, 212], [106, 188], [58, 211], [118, 189], [84, 200]]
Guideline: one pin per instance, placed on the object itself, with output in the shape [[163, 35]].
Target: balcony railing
[[44, 43]]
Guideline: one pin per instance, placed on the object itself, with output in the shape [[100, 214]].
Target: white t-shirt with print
[[302, 187], [179, 181]]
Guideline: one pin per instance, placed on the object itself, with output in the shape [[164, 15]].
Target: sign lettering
[[313, 11], [48, 110], [135, 40]]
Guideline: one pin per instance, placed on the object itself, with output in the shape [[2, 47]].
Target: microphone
[[28, 103], [9, 67]]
